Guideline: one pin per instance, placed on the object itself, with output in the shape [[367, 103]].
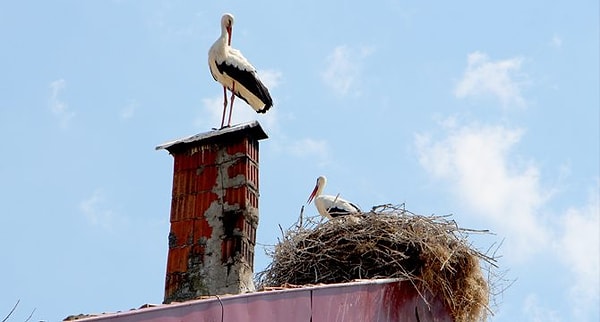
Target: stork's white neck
[[321, 182], [224, 35]]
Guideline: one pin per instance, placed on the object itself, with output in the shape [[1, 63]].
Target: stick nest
[[388, 242]]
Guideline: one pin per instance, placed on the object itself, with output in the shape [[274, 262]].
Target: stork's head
[[227, 25], [321, 181]]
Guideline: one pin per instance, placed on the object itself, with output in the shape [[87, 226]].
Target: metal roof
[[252, 127], [368, 300]]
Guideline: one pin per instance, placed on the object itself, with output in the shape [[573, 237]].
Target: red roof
[[369, 300]]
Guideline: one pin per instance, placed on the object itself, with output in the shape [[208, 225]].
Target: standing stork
[[330, 206], [229, 67]]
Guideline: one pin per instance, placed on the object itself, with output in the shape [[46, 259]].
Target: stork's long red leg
[[224, 105], [231, 104]]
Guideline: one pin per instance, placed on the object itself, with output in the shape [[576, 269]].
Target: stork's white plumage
[[230, 68], [330, 206]]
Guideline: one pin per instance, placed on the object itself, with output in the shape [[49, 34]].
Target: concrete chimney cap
[[253, 128]]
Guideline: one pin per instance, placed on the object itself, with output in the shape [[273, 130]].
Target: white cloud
[[97, 213], [309, 147], [578, 248], [57, 106], [318, 151], [128, 111], [344, 68], [478, 166], [536, 313], [556, 41], [211, 112], [271, 78], [475, 161], [496, 78], [174, 22]]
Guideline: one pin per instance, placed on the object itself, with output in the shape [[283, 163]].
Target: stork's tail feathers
[[264, 96], [265, 109]]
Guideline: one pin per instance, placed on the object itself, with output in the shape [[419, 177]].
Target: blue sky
[[488, 111]]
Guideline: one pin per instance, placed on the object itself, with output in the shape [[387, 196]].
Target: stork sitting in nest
[[330, 206]]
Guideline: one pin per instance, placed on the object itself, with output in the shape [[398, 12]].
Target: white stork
[[330, 206], [229, 67]]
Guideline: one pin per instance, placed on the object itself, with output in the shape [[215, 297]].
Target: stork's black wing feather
[[250, 81], [357, 209], [336, 212]]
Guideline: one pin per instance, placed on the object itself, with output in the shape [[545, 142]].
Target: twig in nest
[[11, 311]]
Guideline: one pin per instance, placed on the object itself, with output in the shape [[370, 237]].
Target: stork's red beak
[[229, 35], [312, 195]]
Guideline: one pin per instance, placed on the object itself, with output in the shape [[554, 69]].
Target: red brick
[[237, 166], [201, 230], [246, 167], [252, 176], [247, 252], [252, 198], [229, 246], [184, 182], [184, 161], [206, 154], [195, 156], [173, 282], [244, 147], [253, 151], [240, 196], [178, 259], [206, 177], [249, 231], [183, 232], [236, 196], [203, 201], [183, 207]]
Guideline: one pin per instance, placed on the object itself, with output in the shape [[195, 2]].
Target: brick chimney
[[214, 212]]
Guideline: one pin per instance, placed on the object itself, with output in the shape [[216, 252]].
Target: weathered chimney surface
[[214, 212]]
